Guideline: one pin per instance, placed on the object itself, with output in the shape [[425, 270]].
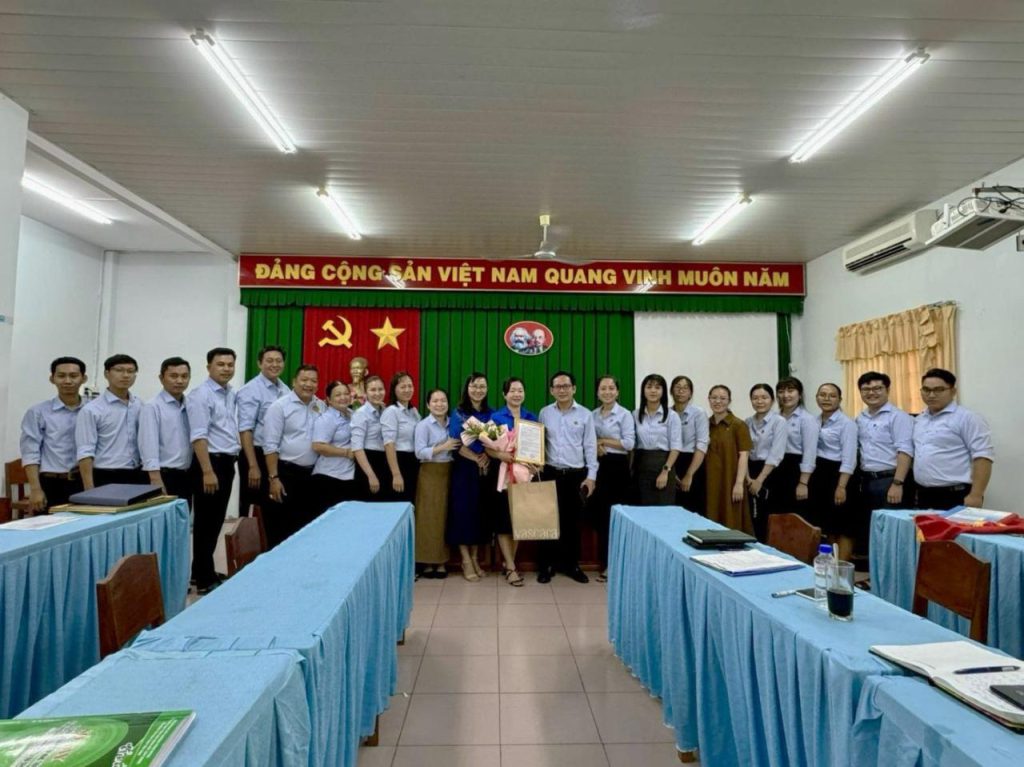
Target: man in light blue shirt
[[165, 441], [570, 456], [885, 436], [953, 452], [288, 447], [107, 430], [213, 429], [48, 438], [258, 394]]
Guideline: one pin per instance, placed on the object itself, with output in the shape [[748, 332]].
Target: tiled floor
[[524, 677]]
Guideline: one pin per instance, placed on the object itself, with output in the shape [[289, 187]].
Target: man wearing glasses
[[952, 448], [885, 435], [107, 430]]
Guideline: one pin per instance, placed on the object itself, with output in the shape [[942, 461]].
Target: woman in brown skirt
[[434, 449], [728, 448]]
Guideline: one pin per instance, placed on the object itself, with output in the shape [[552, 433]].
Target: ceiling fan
[[551, 240]]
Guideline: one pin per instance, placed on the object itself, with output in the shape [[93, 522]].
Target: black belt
[[221, 457], [879, 474], [562, 472], [951, 488], [173, 471], [70, 476]]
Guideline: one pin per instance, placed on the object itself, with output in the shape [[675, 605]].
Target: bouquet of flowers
[[474, 429], [499, 438]]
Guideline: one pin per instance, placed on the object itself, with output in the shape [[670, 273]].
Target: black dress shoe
[[578, 575], [544, 576]]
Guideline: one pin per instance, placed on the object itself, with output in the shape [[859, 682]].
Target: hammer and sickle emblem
[[337, 337]]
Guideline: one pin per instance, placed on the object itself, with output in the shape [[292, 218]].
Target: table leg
[[374, 740], [401, 641], [688, 757]]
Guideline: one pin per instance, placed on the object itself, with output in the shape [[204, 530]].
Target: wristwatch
[[273, 476], [666, 467], [897, 483]]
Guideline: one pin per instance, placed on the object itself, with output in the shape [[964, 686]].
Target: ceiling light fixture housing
[[712, 227], [62, 198], [239, 85], [339, 214], [861, 103]]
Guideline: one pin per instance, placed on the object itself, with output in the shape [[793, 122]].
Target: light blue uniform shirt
[[211, 416], [366, 428], [288, 429], [769, 437], [837, 441], [48, 436], [164, 441], [398, 427], [946, 443], [883, 436], [429, 433], [334, 428], [618, 424], [107, 430], [254, 398], [696, 429], [570, 440], [803, 437], [654, 434]]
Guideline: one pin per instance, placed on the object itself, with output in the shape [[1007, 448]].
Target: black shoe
[[578, 575], [207, 588], [544, 576], [440, 574]]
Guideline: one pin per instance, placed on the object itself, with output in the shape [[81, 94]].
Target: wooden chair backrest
[[794, 535], [243, 544], [129, 599], [5, 510], [951, 576]]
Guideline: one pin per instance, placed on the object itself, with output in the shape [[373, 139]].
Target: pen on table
[[786, 593], [986, 670]]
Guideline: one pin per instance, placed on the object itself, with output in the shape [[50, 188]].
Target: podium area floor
[[522, 677]]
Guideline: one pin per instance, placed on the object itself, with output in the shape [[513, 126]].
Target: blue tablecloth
[[251, 708], [893, 565], [340, 593], [748, 679], [907, 723], [48, 627]]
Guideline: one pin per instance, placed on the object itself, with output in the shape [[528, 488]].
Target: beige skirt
[[432, 512]]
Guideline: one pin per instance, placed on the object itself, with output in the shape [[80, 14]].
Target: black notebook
[[116, 495], [717, 539]]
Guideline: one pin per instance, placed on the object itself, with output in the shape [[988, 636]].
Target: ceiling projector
[[976, 223]]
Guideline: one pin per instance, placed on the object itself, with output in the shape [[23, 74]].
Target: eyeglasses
[[872, 389], [123, 370], [561, 386], [928, 392]]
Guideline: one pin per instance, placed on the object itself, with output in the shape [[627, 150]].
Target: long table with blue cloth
[[745, 678], [48, 617], [893, 563], [339, 593]]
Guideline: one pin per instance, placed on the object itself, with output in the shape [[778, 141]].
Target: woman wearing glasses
[[690, 464], [728, 450]]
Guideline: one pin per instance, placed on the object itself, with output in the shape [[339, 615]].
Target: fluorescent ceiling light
[[859, 104], [711, 227], [229, 72], [644, 287], [62, 198], [339, 214], [398, 282]]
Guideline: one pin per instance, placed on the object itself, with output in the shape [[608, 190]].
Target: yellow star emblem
[[387, 334]]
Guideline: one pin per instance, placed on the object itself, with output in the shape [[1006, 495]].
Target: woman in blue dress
[[472, 492]]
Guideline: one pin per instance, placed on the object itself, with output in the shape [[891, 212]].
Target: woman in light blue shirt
[[368, 443], [335, 470], [768, 435], [433, 448], [830, 506], [616, 436], [794, 473], [695, 436], [397, 426], [659, 440]]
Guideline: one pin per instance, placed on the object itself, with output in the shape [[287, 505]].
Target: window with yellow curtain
[[903, 346]]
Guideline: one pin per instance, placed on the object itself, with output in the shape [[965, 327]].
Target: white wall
[[737, 350], [13, 131], [986, 286]]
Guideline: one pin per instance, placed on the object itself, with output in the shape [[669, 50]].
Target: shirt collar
[[163, 395], [211, 384], [434, 419], [950, 408], [888, 407], [834, 417], [110, 397], [57, 404], [268, 383]]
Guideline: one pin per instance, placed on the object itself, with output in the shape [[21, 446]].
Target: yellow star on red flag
[[387, 334]]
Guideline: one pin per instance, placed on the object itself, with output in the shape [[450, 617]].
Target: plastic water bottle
[[821, 564]]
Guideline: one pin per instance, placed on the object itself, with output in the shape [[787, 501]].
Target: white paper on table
[[37, 523], [970, 515]]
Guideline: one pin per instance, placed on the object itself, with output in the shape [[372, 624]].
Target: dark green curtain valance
[[565, 302]]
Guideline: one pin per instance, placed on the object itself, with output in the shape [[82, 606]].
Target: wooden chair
[[5, 510], [16, 486], [794, 535], [243, 544], [128, 600], [951, 576], [257, 514]]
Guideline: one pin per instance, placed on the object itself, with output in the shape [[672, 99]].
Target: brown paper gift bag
[[534, 507]]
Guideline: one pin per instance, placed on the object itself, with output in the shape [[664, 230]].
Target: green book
[[106, 740]]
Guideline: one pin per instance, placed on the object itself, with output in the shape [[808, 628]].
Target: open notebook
[[938, 661]]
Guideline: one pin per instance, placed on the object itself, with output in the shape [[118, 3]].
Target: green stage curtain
[[457, 342], [274, 327], [784, 342]]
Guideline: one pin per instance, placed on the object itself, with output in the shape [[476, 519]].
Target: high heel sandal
[[469, 572], [480, 572], [513, 578]]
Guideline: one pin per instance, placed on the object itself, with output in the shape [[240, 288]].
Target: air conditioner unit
[[975, 224], [900, 238]]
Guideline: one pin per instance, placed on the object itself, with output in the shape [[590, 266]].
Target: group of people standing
[[299, 455]]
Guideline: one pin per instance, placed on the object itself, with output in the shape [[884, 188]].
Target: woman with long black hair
[[690, 464], [658, 444], [768, 435], [616, 436]]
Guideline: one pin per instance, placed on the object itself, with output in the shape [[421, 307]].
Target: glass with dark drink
[[839, 591]]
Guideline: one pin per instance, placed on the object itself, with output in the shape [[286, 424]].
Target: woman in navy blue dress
[[471, 495]]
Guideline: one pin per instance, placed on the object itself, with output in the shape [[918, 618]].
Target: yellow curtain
[[901, 345]]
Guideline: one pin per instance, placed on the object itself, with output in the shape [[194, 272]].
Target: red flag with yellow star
[[389, 340]]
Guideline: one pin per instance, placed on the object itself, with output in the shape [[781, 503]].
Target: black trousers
[[250, 496], [328, 492], [564, 554], [693, 500], [613, 483], [298, 505], [942, 498], [178, 482], [874, 486], [58, 489], [102, 477], [210, 510]]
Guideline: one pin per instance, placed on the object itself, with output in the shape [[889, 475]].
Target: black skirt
[[647, 466], [832, 519], [409, 465], [693, 499], [379, 463]]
